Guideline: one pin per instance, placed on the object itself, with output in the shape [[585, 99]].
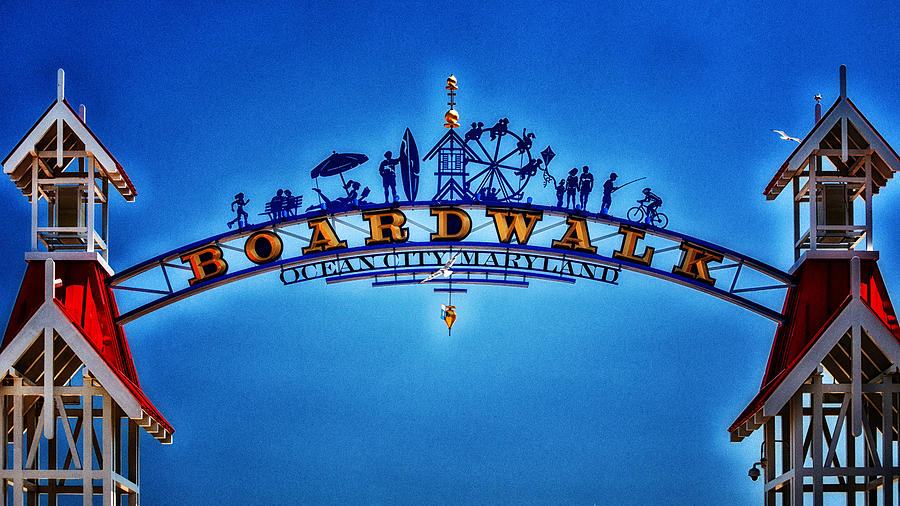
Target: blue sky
[[350, 394]]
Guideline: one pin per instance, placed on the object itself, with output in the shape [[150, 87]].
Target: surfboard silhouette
[[409, 165]]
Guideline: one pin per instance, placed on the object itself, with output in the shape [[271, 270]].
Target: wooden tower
[[828, 403], [72, 407], [453, 155]]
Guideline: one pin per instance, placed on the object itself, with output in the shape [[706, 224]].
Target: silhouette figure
[[608, 189], [388, 171], [241, 214], [571, 187], [352, 199], [525, 143], [291, 204], [585, 185], [500, 129], [560, 192], [276, 205], [529, 169], [653, 202], [475, 133]]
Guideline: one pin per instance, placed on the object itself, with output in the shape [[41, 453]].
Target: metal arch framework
[[486, 258]]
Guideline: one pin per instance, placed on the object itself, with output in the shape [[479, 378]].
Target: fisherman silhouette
[[560, 192], [475, 133], [608, 189], [500, 128], [387, 169], [241, 214], [571, 186], [585, 185], [653, 202]]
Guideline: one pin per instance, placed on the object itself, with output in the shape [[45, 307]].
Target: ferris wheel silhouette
[[503, 161]]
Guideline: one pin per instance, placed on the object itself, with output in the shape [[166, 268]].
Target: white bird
[[443, 271], [785, 136]]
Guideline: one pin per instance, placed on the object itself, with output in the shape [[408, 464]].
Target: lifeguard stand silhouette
[[828, 401], [66, 369]]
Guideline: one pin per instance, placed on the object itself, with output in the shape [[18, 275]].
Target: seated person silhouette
[[353, 198]]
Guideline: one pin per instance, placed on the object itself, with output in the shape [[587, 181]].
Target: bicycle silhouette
[[639, 213]]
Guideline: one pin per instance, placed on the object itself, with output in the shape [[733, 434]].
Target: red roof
[[118, 165], [113, 158], [820, 294], [784, 166], [88, 303]]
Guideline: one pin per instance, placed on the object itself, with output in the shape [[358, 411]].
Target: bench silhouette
[[288, 207]]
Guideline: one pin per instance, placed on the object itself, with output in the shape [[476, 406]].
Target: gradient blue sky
[[350, 394]]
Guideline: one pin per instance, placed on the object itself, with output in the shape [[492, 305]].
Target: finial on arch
[[843, 82], [60, 84]]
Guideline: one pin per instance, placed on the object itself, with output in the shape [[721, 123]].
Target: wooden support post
[[769, 456], [18, 443], [90, 203], [844, 146], [59, 142], [87, 438], [856, 351], [104, 232], [52, 447], [109, 458], [4, 437], [34, 204], [869, 239], [851, 462], [134, 440], [786, 448], [797, 449], [816, 447], [813, 196], [796, 218], [49, 412], [887, 438]]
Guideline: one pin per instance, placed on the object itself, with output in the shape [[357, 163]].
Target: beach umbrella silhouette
[[337, 163]]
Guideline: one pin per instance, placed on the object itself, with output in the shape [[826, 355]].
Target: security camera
[[753, 473]]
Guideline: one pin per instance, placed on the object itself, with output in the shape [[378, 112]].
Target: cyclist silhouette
[[652, 202]]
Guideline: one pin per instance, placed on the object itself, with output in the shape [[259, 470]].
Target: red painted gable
[[88, 303], [821, 291]]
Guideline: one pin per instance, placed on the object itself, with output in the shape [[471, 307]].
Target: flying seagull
[[443, 271], [785, 136]]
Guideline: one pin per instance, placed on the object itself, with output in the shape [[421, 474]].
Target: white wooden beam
[[87, 437], [90, 204], [855, 349], [67, 429], [49, 414]]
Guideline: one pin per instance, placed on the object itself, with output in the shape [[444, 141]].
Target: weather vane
[[452, 115]]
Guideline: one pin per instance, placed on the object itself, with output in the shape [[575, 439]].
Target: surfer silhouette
[[388, 171], [241, 214], [585, 185]]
